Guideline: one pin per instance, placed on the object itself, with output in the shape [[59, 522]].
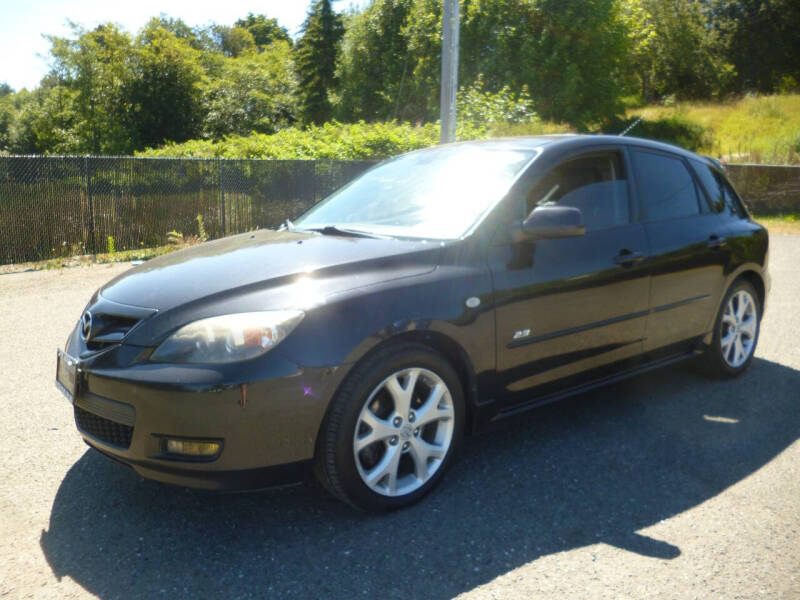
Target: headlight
[[228, 338]]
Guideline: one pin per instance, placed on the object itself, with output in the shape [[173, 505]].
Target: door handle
[[715, 241], [626, 258]]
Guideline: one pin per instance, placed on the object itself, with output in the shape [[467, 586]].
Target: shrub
[[671, 129], [331, 140], [480, 108], [201, 229]]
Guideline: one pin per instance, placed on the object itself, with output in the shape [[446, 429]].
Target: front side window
[[596, 184], [666, 188], [438, 193]]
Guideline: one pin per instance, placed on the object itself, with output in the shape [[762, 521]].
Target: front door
[[565, 306]]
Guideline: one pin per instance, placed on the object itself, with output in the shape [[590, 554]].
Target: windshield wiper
[[343, 231]]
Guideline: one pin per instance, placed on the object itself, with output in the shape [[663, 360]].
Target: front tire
[[736, 331], [392, 429]]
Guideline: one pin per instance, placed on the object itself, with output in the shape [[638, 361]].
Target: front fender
[[346, 328]]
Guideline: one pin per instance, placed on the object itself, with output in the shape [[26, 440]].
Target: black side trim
[[679, 303], [578, 329], [604, 323]]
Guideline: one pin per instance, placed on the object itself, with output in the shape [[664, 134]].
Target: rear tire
[[736, 331], [392, 429]]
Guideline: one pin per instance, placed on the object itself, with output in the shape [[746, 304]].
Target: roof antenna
[[631, 126]]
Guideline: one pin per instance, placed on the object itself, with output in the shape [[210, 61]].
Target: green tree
[[164, 89], [252, 93], [761, 38], [94, 65], [374, 68], [673, 51], [315, 55], [568, 53], [233, 41], [46, 120], [264, 30]]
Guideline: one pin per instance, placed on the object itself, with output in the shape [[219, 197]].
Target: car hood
[[264, 259]]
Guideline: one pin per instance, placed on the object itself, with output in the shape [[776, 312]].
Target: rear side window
[[596, 184], [720, 194], [666, 188]]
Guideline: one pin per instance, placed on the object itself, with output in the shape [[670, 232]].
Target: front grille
[[108, 330], [109, 431]]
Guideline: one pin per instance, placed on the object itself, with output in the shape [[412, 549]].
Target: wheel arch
[[754, 275], [442, 344], [755, 279]]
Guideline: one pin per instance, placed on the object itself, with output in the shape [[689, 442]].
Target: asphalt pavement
[[669, 485]]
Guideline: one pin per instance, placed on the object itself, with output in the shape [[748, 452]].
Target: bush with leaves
[[478, 106], [332, 140]]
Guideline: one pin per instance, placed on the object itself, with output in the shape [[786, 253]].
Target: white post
[[449, 70]]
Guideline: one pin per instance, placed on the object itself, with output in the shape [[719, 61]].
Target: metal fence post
[[91, 239], [221, 196]]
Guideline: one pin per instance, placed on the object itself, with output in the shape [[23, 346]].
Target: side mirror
[[548, 222]]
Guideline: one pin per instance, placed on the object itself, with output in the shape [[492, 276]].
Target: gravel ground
[[669, 485]]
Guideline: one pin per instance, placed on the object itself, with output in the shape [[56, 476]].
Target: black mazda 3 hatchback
[[440, 291]]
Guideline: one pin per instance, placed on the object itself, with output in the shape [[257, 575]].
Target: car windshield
[[435, 194]]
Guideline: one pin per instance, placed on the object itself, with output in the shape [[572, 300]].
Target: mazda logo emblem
[[86, 325]]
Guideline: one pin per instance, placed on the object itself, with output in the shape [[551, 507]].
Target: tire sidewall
[[358, 491]]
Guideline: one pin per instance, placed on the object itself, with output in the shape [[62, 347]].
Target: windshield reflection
[[438, 193]]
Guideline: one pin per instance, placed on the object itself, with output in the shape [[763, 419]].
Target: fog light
[[192, 448]]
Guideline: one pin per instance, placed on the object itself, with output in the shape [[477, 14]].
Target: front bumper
[[267, 427]]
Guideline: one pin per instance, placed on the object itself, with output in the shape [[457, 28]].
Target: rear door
[[565, 306], [687, 246]]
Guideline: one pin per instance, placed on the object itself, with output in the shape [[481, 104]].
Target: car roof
[[576, 141]]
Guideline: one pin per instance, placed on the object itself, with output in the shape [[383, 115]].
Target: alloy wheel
[[403, 432], [739, 328]]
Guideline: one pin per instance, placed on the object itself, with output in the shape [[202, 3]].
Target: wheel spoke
[[432, 410], [739, 353], [421, 453], [726, 343], [749, 327], [386, 469], [743, 300], [401, 395], [728, 317], [379, 430]]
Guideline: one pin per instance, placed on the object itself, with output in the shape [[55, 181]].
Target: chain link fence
[[768, 189], [64, 206]]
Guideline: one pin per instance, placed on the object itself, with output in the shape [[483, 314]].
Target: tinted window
[[720, 194], [595, 184], [666, 188]]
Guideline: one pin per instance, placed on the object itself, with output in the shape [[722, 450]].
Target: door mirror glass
[[548, 222]]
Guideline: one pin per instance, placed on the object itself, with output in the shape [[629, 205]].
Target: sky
[[23, 50]]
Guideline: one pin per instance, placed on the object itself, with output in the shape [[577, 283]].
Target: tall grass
[[753, 129]]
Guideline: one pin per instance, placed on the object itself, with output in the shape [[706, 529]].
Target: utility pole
[[449, 70]]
